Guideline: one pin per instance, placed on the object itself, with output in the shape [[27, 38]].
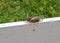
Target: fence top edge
[[24, 22]]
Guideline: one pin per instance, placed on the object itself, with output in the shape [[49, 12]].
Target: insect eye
[[28, 19]]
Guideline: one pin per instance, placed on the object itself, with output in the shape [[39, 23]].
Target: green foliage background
[[19, 10]]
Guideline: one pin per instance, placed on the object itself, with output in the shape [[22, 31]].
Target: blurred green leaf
[[19, 10]]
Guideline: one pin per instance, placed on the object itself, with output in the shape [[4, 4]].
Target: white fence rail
[[48, 31]]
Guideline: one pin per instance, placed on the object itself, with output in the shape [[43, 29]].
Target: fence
[[47, 31]]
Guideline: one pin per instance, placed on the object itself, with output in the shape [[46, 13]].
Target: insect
[[33, 19]]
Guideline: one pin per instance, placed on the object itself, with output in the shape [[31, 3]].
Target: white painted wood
[[46, 31], [25, 34], [56, 32]]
